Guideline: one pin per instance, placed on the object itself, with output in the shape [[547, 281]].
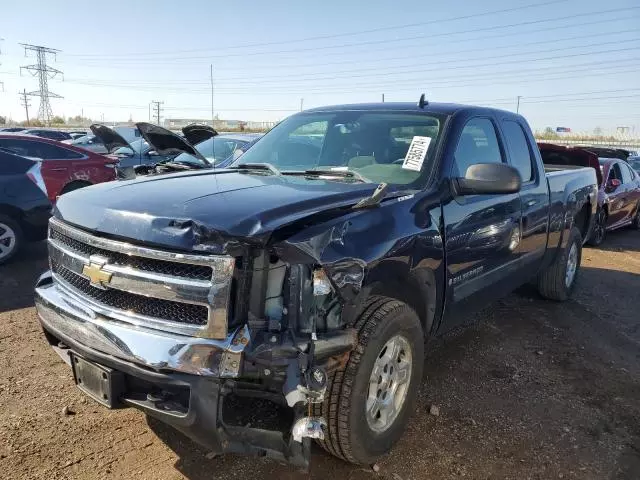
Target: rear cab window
[[519, 150]]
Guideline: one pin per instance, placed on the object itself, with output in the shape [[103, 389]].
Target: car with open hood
[[618, 185], [308, 273]]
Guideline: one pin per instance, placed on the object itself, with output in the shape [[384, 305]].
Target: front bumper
[[153, 362], [68, 316], [183, 381]]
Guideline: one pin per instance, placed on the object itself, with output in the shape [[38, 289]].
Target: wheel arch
[[74, 185], [417, 288]]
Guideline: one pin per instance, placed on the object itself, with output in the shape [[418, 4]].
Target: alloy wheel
[[8, 240], [389, 383]]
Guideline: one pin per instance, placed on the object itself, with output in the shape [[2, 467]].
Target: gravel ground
[[529, 390]]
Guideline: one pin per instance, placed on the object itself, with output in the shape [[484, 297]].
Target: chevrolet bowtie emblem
[[94, 272]]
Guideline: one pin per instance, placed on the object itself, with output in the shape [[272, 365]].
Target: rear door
[[482, 232], [60, 165], [534, 194]]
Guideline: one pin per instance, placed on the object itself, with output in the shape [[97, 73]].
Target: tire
[[599, 229], [349, 433], [11, 238], [70, 187], [554, 283]]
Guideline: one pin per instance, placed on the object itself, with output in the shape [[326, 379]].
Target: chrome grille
[[201, 272], [181, 293], [151, 307]]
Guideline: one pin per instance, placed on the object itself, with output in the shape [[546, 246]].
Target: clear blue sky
[[576, 63]]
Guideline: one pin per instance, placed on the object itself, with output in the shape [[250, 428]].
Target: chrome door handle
[[531, 203]]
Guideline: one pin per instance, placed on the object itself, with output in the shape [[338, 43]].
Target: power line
[[339, 35], [139, 61], [429, 55], [589, 67], [286, 87], [44, 72]]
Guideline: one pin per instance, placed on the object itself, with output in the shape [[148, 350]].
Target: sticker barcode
[[416, 153]]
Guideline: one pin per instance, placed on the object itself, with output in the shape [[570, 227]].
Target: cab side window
[[478, 143]]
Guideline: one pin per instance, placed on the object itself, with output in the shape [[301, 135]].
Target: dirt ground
[[530, 390]]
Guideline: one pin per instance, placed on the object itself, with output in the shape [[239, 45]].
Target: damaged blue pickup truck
[[309, 274]]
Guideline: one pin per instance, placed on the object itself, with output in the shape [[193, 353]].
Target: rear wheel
[[11, 238], [599, 228], [368, 403], [558, 280]]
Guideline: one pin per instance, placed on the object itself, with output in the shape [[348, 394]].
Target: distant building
[[220, 125]]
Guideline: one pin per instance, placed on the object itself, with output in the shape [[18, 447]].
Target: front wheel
[[557, 281], [10, 238], [368, 403], [599, 228]]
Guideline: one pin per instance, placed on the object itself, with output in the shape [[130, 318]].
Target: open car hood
[[165, 142], [196, 133], [112, 140]]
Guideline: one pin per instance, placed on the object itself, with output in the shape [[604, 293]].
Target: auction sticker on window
[[416, 154]]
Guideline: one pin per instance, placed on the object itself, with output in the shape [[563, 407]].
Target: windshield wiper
[[332, 173], [375, 198], [179, 165], [265, 167]]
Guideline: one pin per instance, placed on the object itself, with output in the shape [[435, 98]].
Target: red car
[[64, 167], [618, 187]]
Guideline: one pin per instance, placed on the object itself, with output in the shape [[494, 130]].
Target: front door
[[616, 196], [482, 232]]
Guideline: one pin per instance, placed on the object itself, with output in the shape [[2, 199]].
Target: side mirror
[[613, 184], [487, 179]]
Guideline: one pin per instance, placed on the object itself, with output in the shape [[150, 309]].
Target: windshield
[[138, 146], [374, 145], [635, 163], [214, 149]]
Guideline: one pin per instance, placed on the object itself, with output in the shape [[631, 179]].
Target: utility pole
[[383, 98], [149, 112], [213, 117], [518, 105], [157, 109], [301, 103], [44, 73], [25, 103]]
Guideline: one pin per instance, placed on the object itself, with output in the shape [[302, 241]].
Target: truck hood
[[111, 139], [165, 142], [215, 211], [196, 133]]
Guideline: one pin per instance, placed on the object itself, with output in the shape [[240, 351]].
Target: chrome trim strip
[[140, 282], [66, 316], [220, 261]]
